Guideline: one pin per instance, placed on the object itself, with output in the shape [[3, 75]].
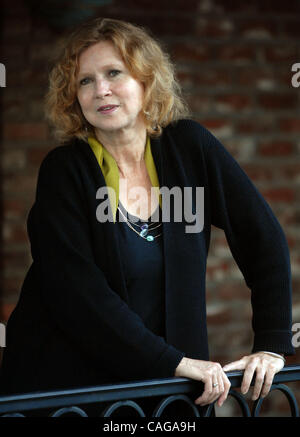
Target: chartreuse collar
[[110, 169]]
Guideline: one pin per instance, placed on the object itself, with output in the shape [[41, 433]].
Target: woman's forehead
[[101, 49], [101, 53]]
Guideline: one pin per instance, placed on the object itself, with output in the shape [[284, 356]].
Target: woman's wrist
[[275, 355], [179, 369]]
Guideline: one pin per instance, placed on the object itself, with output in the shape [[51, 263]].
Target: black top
[[144, 269], [73, 323]]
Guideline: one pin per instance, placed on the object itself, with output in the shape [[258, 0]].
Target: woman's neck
[[127, 148]]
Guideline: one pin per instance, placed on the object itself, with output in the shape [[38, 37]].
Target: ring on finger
[[215, 384]]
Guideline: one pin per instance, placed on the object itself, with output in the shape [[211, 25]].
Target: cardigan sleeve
[[257, 243], [75, 291]]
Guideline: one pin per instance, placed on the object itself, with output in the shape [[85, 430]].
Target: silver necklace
[[144, 229]]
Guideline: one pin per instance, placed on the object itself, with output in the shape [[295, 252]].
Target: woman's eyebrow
[[104, 67]]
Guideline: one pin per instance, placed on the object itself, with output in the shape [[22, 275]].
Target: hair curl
[[143, 57]]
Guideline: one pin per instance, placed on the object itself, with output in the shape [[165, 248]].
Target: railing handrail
[[126, 390]]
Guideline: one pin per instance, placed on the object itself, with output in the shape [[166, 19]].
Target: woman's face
[[110, 98]]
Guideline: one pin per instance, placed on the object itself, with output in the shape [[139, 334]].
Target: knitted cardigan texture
[[72, 325]]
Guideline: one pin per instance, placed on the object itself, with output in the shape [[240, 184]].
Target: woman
[[116, 291]]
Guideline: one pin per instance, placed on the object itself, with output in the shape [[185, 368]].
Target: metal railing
[[151, 398]]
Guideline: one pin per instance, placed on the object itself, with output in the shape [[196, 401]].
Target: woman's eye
[[114, 73], [85, 81]]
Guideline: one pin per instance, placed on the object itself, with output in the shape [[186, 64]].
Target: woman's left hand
[[264, 365]]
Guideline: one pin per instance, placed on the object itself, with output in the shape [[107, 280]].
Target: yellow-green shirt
[[110, 169]]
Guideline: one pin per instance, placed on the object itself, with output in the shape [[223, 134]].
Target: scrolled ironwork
[[13, 415], [111, 409], [289, 395], [164, 403], [75, 411], [154, 395]]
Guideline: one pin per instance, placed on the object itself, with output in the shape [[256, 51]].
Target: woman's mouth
[[107, 109]]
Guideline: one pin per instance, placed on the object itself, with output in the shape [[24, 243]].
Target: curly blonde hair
[[144, 58]]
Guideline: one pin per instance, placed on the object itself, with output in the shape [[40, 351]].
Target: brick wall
[[234, 62]]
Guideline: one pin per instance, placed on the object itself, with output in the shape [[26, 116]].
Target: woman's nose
[[102, 88]]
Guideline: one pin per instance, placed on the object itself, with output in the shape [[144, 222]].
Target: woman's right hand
[[216, 383]]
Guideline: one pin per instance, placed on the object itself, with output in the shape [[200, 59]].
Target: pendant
[[144, 230], [150, 238]]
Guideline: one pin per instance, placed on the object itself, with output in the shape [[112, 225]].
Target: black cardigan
[[72, 325]]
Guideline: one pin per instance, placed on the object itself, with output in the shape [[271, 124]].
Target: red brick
[[199, 103], [5, 311], [291, 28], [283, 53], [17, 184], [25, 131], [253, 126], [236, 53], [221, 317], [14, 160], [214, 123], [216, 271], [285, 78], [259, 172], [290, 171], [213, 28], [256, 7], [222, 129], [292, 242], [42, 52], [17, 8], [162, 5], [30, 74], [35, 155], [259, 28], [13, 54], [234, 102], [203, 77], [279, 6], [12, 285], [231, 291], [290, 125], [15, 208], [14, 233], [286, 195], [190, 52], [16, 260], [17, 26], [255, 76], [213, 69], [290, 217], [276, 148], [278, 101], [236, 6], [160, 24]]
